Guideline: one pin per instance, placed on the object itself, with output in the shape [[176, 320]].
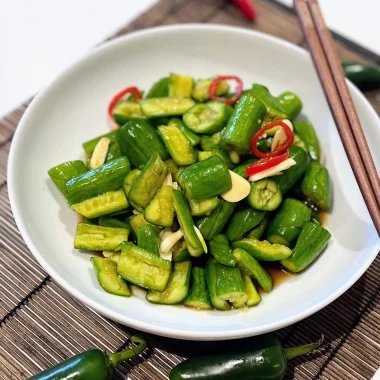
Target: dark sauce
[[278, 274], [323, 217]]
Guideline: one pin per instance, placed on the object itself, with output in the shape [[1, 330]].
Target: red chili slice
[[280, 148], [266, 163], [214, 86], [247, 8], [120, 95]]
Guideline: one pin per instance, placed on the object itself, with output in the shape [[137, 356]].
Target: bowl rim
[[124, 319]]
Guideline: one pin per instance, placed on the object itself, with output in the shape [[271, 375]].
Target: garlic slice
[[275, 170], [99, 155], [288, 123], [201, 239], [272, 131], [168, 180], [279, 138], [108, 253], [169, 241], [239, 190]]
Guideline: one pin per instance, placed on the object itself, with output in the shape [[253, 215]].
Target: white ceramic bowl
[[73, 110]]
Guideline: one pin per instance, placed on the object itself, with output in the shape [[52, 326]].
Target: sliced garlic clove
[[239, 190], [168, 180], [169, 241], [288, 123], [201, 239], [278, 139], [167, 255], [165, 232], [108, 253], [99, 155], [275, 170]]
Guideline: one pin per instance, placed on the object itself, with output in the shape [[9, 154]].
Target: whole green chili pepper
[[266, 359], [92, 364], [365, 76]]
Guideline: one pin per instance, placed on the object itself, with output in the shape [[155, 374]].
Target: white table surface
[[39, 38], [355, 20]]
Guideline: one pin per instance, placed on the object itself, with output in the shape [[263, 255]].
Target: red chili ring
[[129, 90], [280, 148], [265, 163], [214, 86]]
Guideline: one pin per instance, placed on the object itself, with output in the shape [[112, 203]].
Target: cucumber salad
[[199, 185]]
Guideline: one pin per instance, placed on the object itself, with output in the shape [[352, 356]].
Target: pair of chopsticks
[[330, 73]]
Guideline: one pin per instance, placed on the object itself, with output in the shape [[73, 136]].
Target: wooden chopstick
[[321, 46], [341, 84]]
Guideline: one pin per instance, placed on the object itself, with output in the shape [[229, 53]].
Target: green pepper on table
[[365, 76], [92, 364], [265, 359]]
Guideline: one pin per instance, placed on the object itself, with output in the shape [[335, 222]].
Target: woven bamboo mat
[[41, 325]]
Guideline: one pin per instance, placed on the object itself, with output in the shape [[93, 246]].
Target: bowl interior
[[73, 110]]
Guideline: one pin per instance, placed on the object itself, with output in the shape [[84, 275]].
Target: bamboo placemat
[[41, 325]]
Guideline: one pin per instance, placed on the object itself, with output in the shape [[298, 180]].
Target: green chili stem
[[292, 352], [117, 358]]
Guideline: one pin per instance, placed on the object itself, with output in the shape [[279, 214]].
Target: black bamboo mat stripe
[[41, 325]]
